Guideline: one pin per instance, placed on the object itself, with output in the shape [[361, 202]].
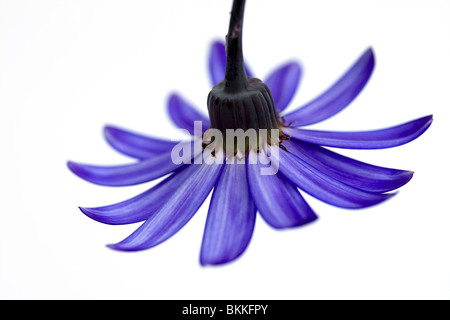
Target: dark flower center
[[240, 102]]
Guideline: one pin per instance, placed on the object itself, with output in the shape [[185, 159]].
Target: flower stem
[[235, 76]]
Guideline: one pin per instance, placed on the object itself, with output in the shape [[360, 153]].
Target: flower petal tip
[[293, 66], [204, 263], [110, 132], [90, 212], [183, 114], [297, 224], [120, 246], [79, 169], [283, 83], [98, 216], [392, 194], [407, 175], [422, 125], [109, 128], [112, 246], [371, 58], [218, 44], [82, 171], [387, 197], [117, 247], [74, 167], [403, 178], [384, 197], [209, 264], [218, 262], [172, 99]]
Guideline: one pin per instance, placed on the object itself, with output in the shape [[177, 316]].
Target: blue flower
[[239, 189]]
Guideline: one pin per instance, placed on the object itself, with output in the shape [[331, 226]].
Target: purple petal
[[184, 115], [218, 62], [231, 217], [141, 207], [278, 201], [283, 83], [338, 96], [375, 139], [176, 212], [136, 145], [323, 187], [355, 173], [130, 174]]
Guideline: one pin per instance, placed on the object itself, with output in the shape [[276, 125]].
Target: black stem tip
[[235, 76]]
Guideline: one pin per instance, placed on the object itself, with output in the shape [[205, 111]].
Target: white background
[[69, 67]]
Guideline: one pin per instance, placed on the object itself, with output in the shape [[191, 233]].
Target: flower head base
[[241, 189], [250, 108], [238, 101]]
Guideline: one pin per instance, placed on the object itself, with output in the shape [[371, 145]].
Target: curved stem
[[235, 76]]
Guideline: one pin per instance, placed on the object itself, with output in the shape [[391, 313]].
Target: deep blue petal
[[323, 187], [338, 96], [231, 217], [375, 139], [355, 173], [217, 63], [141, 207], [130, 174], [184, 115], [136, 145], [176, 212], [278, 200], [283, 83]]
